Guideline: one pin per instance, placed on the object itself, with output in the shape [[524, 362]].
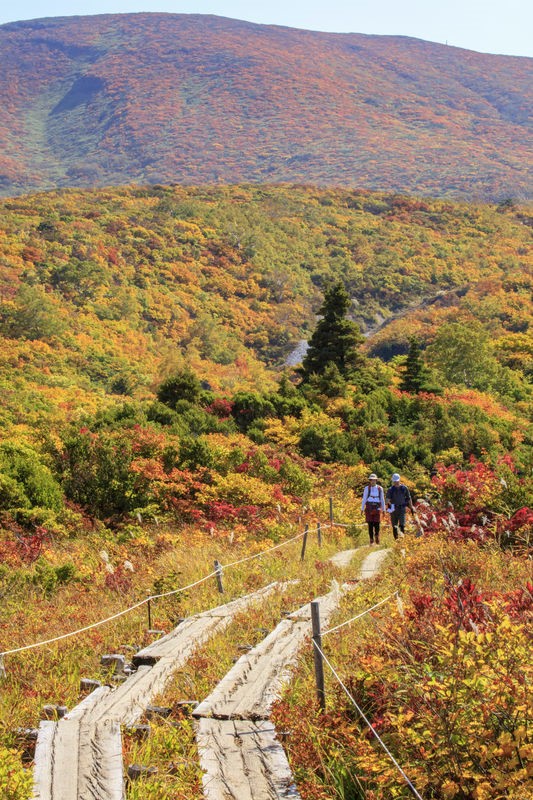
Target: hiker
[[373, 504], [398, 499]]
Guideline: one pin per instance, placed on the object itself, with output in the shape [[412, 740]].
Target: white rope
[[263, 552], [369, 724], [362, 614], [350, 525], [275, 547], [181, 588], [147, 599], [73, 633]]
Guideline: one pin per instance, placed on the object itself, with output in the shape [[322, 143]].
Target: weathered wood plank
[[80, 757], [255, 681], [343, 558], [42, 770], [243, 760], [372, 563], [191, 628], [100, 768], [252, 764]]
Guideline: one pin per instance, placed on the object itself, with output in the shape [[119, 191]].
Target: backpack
[[381, 496]]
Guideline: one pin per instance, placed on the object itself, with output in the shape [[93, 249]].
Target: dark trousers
[[397, 519], [373, 531]]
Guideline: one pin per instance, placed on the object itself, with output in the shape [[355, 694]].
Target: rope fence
[[148, 599], [362, 614], [367, 721]]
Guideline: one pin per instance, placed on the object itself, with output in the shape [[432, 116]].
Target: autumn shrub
[[15, 781], [238, 489]]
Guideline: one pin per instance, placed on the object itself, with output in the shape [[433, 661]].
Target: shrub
[[295, 480], [184, 385], [12, 494], [15, 781], [34, 479]]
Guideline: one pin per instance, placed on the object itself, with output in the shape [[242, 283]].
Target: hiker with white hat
[[373, 504], [398, 499]]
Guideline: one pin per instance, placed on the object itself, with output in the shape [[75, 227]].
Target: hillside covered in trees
[[105, 295], [150, 423], [158, 98]]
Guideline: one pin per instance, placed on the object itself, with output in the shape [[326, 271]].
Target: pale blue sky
[[489, 26]]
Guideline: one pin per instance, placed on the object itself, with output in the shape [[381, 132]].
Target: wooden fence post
[[149, 609], [218, 570], [304, 543], [317, 654], [319, 533], [331, 510]]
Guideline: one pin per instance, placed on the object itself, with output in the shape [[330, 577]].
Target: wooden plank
[[192, 626], [343, 558], [57, 750], [80, 756], [42, 770], [372, 563], [100, 768], [243, 760], [255, 681]]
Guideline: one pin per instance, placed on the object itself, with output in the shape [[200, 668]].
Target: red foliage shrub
[[220, 407]]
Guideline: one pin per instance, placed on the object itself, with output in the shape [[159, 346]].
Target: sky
[[488, 26]]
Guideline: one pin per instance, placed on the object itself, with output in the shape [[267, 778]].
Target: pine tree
[[416, 377], [335, 340]]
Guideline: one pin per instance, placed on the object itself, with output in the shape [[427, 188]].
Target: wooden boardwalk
[[79, 757], [240, 754]]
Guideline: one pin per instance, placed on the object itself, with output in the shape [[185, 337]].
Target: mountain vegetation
[[150, 424], [158, 98]]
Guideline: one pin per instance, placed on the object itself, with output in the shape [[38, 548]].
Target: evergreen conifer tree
[[416, 377], [335, 340]]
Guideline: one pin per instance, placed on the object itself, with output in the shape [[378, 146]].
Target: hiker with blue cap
[[398, 499]]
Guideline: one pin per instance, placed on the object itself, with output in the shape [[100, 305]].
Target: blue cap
[[395, 477]]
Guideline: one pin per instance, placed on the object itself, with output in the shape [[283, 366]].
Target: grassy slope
[[153, 98]]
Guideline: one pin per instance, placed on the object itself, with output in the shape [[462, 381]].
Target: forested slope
[[106, 292]]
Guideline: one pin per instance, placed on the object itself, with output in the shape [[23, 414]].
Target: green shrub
[[12, 494], [22, 465], [296, 481], [48, 577]]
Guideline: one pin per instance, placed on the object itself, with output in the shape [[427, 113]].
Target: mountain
[[162, 98]]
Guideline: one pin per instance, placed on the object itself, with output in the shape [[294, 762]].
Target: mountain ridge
[[198, 99]]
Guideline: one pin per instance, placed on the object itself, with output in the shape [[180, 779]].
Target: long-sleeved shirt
[[398, 495], [373, 494]]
